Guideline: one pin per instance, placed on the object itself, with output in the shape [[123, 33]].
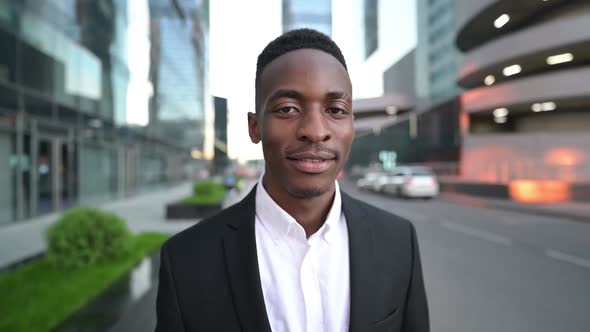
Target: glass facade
[[436, 54], [64, 140], [314, 14], [178, 72]]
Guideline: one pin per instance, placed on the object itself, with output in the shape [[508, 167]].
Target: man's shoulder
[[379, 217], [205, 233]]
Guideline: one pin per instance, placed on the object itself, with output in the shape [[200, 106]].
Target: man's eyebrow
[[285, 94], [339, 95]]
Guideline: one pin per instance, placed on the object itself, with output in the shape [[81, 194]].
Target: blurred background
[[472, 119]]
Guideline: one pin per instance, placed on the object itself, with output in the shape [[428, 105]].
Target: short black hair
[[294, 40]]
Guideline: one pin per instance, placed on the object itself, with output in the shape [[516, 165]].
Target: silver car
[[367, 181], [412, 181]]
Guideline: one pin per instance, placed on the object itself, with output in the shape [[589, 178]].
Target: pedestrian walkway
[[143, 213], [568, 210]]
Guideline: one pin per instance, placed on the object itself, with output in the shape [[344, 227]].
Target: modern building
[[390, 124], [400, 78], [417, 119], [220, 158], [437, 57], [314, 14], [178, 71], [525, 69], [63, 77], [370, 27]]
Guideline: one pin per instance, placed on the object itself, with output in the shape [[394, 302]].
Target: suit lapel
[[242, 267], [363, 289]]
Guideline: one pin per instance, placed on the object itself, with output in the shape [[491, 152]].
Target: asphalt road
[[494, 270]]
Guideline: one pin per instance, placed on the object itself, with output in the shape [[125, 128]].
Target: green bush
[[206, 193], [86, 236], [207, 188]]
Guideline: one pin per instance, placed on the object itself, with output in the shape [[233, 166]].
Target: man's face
[[304, 120]]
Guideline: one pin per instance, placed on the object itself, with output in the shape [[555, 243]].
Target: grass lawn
[[38, 296]]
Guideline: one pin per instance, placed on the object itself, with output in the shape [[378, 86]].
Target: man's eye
[[336, 111], [286, 110]]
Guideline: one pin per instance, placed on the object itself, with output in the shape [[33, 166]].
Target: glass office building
[[63, 85], [178, 71], [437, 57]]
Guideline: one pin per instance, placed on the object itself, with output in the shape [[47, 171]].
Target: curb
[[536, 210]]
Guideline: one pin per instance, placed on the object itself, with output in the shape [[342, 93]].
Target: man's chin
[[306, 193], [302, 191]]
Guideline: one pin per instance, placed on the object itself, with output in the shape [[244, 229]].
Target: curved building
[[526, 71]]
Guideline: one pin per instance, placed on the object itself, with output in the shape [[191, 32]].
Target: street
[[494, 270]]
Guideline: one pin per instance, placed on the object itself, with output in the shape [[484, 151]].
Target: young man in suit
[[296, 254]]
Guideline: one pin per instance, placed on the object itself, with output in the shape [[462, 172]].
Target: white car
[[378, 184], [366, 182], [412, 181]]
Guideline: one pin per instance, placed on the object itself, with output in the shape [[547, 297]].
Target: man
[[296, 254]]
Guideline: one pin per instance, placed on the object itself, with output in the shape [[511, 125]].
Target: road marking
[[568, 258], [478, 233]]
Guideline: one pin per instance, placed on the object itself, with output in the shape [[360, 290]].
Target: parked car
[[412, 181], [378, 184], [366, 182]]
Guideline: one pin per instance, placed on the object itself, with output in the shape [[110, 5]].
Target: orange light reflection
[[539, 191]]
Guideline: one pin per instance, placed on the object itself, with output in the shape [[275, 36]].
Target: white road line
[[478, 233], [584, 262]]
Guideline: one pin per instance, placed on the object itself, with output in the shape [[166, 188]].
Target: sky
[[237, 36], [139, 89]]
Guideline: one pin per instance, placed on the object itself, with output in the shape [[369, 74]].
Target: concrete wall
[[400, 78], [555, 122], [555, 85]]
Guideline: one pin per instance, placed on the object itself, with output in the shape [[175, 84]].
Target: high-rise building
[[371, 26], [178, 71], [400, 78], [314, 14], [63, 83], [417, 119], [437, 57], [220, 159], [527, 99], [373, 35]]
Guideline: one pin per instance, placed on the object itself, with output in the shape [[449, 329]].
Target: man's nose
[[313, 127]]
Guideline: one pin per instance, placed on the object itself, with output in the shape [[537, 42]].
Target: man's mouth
[[312, 162]]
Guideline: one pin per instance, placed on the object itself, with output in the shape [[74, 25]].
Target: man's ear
[[253, 127]]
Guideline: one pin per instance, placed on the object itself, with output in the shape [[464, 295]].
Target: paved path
[[144, 212]]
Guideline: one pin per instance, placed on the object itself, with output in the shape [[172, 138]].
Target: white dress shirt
[[305, 281]]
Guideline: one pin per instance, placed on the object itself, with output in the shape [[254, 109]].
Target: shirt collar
[[280, 223]]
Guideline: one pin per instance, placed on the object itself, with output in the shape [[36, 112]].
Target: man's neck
[[310, 213]]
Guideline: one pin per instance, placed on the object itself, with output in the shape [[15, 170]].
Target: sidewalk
[[573, 211], [143, 213]]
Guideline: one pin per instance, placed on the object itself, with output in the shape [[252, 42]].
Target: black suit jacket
[[210, 281]]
